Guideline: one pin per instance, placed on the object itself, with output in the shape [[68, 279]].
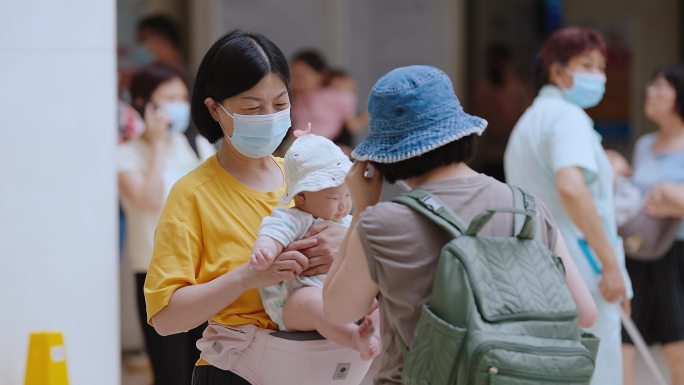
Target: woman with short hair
[[555, 153]]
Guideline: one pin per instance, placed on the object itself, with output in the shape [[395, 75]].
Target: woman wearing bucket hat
[[555, 153], [199, 269], [419, 135]]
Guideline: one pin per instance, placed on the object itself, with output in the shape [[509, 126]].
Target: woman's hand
[[286, 266], [156, 124], [365, 192], [328, 237], [666, 200], [612, 285]]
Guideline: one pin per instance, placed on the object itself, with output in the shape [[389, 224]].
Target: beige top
[[136, 155], [402, 248]]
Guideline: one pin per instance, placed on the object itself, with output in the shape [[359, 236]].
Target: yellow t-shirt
[[208, 227]]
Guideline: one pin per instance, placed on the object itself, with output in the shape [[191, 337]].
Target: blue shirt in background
[[652, 168]]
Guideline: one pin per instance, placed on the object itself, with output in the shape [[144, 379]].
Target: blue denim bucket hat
[[413, 110]]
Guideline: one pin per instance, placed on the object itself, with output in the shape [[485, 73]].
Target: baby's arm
[[278, 230], [264, 252]]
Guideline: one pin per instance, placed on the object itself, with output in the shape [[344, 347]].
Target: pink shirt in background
[[326, 109]]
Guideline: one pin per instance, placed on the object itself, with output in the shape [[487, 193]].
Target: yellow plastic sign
[[46, 363]]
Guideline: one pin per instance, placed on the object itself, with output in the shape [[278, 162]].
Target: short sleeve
[[128, 158], [392, 236], [572, 143], [175, 259], [365, 225], [286, 225], [380, 245]]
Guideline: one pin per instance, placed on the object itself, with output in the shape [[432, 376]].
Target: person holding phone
[[147, 168]]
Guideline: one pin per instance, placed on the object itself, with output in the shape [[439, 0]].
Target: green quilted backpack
[[500, 312]]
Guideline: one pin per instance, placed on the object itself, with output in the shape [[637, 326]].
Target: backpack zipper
[[494, 372], [490, 345]]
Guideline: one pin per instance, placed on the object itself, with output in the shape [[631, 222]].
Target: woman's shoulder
[[550, 100], [454, 192], [384, 215], [188, 186], [645, 142], [131, 155]]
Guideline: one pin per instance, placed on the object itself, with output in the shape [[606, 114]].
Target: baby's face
[[331, 204]]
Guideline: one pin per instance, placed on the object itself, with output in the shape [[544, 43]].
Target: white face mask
[[179, 112], [257, 136], [587, 88]]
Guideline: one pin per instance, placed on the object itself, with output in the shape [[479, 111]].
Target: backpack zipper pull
[[493, 372]]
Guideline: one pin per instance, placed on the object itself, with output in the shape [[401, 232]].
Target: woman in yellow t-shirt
[[206, 231]]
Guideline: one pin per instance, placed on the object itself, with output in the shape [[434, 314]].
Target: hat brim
[[316, 181], [420, 140]]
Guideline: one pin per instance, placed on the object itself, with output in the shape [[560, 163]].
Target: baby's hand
[[261, 259]]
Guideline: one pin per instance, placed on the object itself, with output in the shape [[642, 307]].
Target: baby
[[315, 169], [629, 200]]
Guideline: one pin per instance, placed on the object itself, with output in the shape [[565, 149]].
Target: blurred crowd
[[157, 144]]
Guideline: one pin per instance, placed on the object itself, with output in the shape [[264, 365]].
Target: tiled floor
[[136, 372]]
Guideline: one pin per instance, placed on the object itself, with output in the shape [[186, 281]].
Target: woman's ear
[[213, 107]]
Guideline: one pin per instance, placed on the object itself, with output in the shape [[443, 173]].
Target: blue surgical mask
[[179, 112], [256, 136], [587, 89]]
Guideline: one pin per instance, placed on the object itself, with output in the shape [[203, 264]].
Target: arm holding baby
[[666, 200], [282, 227]]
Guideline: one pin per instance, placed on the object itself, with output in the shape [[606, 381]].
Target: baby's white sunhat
[[313, 163]]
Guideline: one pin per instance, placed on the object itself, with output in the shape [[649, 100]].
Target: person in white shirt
[[147, 168], [555, 153]]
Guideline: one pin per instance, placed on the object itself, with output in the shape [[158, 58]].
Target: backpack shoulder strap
[[435, 210], [522, 200]]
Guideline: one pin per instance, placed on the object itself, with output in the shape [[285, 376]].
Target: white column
[[58, 223]]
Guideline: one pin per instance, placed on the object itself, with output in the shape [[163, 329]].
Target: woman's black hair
[[235, 63], [461, 150], [147, 79], [313, 59], [674, 74]]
